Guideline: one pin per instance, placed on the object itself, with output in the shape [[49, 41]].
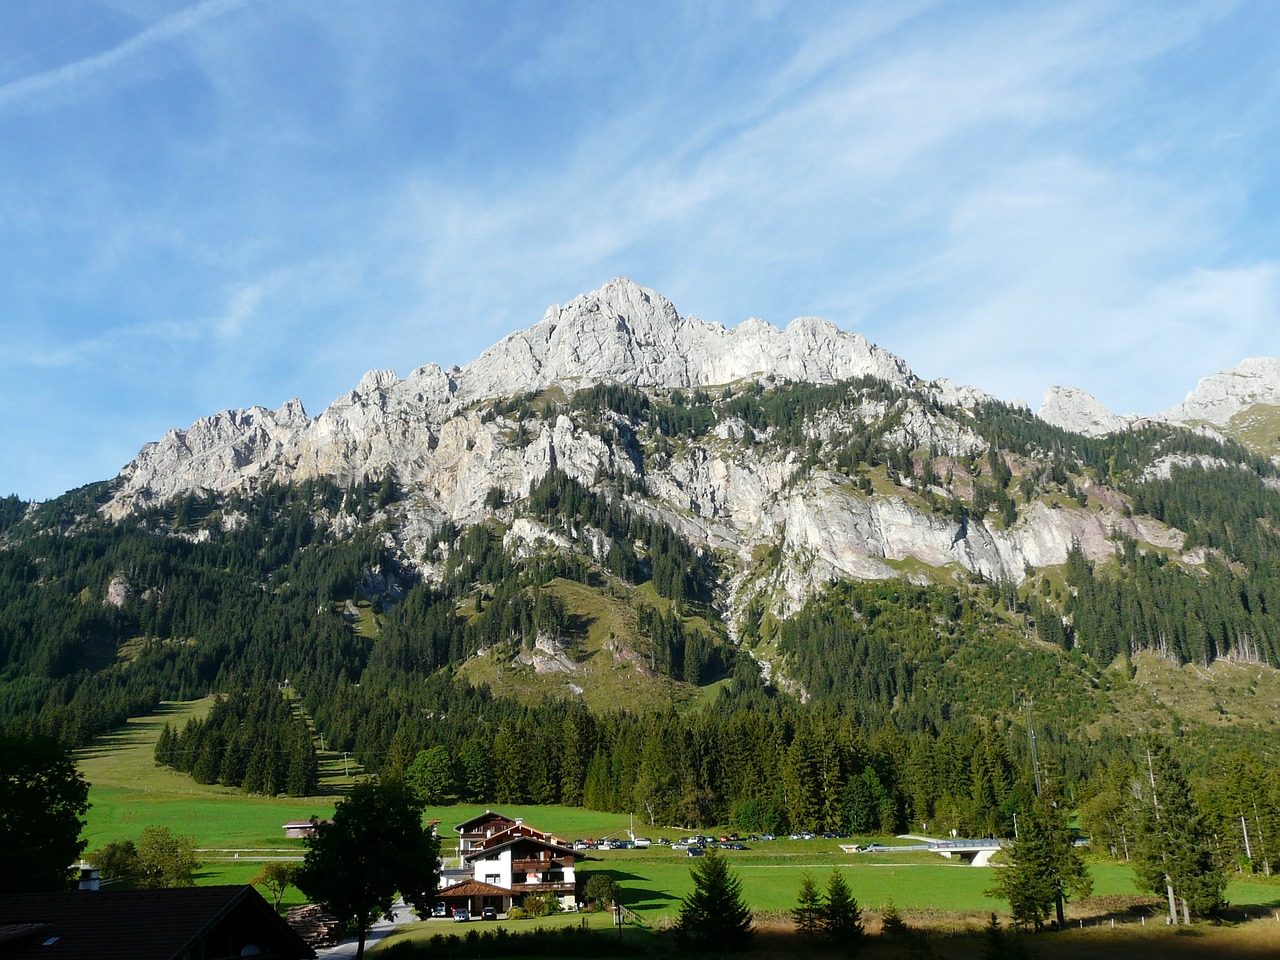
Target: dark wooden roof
[[472, 888], [514, 832], [512, 838], [144, 924], [487, 816]]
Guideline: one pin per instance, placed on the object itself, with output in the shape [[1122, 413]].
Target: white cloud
[[243, 306], [1013, 195], [54, 86]]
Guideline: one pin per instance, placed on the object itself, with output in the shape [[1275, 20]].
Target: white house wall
[[484, 870]]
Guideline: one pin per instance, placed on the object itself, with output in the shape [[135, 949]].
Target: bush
[[118, 860], [540, 905], [160, 858], [601, 890]]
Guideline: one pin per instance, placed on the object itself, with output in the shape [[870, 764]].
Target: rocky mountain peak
[[1222, 396], [629, 334], [1079, 412], [424, 427]]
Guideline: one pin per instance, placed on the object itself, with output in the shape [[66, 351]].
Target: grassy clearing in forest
[[235, 832]]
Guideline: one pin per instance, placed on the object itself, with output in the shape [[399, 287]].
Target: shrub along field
[[236, 833]]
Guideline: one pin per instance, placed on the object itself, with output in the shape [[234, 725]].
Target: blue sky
[[234, 202]]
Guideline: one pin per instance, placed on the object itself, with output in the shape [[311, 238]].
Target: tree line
[[253, 740]]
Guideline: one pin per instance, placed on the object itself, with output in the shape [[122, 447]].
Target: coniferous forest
[[875, 706]]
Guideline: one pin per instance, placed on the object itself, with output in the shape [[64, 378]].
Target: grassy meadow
[[236, 833]]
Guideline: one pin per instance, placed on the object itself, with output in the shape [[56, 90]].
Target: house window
[[492, 878]]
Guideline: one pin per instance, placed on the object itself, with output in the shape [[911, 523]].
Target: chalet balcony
[[538, 865], [519, 887]]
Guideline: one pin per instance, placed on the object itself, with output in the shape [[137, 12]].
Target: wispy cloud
[[154, 341], [55, 86], [1013, 195]]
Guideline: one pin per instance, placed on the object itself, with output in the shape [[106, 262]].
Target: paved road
[[403, 914]]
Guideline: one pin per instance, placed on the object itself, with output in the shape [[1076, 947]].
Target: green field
[[236, 832]]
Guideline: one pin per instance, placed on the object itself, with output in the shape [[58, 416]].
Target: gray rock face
[[723, 491], [1080, 412], [621, 333], [627, 334], [1219, 398]]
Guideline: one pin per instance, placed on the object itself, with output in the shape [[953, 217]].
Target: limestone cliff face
[[1080, 412], [736, 491], [621, 333], [1223, 396], [1216, 403], [627, 334]]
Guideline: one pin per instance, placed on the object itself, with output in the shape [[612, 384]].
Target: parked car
[[694, 852], [461, 914], [489, 913], [439, 910]]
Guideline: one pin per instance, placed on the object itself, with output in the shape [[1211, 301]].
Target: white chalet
[[509, 861]]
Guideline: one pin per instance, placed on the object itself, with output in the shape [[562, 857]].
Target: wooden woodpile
[[318, 928]]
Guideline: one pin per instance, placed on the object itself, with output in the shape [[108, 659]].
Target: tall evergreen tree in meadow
[[715, 915], [1044, 866], [807, 913], [1175, 853], [841, 916]]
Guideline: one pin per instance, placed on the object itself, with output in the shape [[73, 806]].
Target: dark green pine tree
[[303, 776], [1044, 866], [841, 915], [1175, 853], [166, 746], [715, 915], [807, 913], [1002, 946]]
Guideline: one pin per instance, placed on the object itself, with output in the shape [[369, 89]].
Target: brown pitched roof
[[482, 818], [472, 888], [143, 924], [515, 832], [509, 838]]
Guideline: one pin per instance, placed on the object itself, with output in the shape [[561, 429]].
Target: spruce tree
[[714, 914], [1044, 866], [807, 913], [841, 915], [1175, 852]]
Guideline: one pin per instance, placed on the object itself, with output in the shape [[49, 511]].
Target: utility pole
[[1262, 840], [1035, 756]]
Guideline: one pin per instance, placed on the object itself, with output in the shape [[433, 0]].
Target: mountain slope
[[627, 507]]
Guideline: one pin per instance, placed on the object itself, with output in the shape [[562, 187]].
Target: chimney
[[88, 876]]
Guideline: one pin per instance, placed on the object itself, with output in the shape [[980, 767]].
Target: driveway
[[403, 914]]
